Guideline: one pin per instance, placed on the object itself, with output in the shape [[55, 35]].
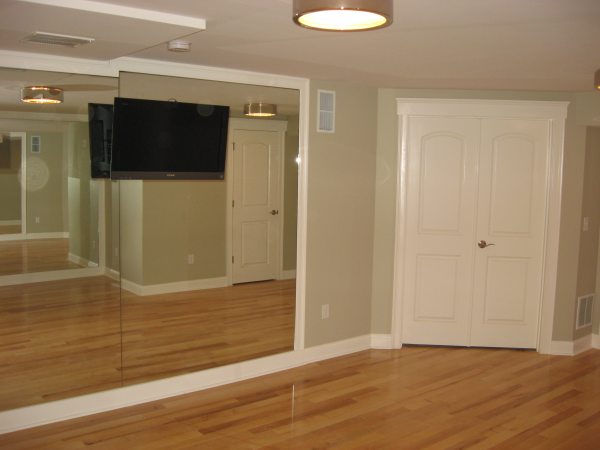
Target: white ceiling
[[462, 44]]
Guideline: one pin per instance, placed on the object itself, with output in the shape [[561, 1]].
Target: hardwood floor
[[63, 338], [10, 229], [58, 339], [172, 334], [415, 398], [34, 255]]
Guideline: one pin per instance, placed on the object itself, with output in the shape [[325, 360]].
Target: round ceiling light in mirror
[[41, 94], [260, 109], [343, 15]]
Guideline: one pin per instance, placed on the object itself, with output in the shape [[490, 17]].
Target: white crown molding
[[126, 11]]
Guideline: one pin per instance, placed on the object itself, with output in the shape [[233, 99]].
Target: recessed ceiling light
[[41, 94], [179, 46], [260, 109], [343, 15]]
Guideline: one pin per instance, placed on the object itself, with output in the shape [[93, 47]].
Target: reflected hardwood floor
[[58, 339], [35, 255], [416, 398], [10, 229], [173, 334]]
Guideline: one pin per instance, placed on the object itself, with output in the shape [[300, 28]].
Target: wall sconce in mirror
[[260, 109], [41, 94]]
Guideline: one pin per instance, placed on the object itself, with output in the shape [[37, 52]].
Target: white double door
[[472, 180]]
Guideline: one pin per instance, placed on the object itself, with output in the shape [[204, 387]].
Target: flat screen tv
[[168, 140], [100, 119]]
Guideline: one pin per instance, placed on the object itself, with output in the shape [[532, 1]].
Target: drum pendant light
[[260, 109], [343, 15], [41, 94]]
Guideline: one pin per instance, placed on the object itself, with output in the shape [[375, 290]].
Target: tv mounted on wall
[[100, 118], [168, 140]]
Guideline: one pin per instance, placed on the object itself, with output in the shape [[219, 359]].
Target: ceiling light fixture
[[260, 109], [179, 46], [597, 79], [343, 15], [41, 94]]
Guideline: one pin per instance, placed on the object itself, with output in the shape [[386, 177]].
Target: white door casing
[[495, 264], [255, 181]]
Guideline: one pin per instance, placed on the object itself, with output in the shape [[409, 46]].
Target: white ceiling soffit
[[117, 30]]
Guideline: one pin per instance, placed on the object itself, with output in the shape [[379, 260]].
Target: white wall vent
[[56, 39], [326, 108], [36, 144], [584, 311]]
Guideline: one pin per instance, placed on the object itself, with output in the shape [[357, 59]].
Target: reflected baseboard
[[30, 416], [39, 277], [10, 222], [288, 274], [81, 261], [21, 237], [167, 288], [114, 274]]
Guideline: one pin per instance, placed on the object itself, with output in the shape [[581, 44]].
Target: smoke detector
[[179, 46]]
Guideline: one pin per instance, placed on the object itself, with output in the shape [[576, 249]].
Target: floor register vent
[[584, 311]]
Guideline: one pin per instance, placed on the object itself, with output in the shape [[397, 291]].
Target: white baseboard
[[10, 222], [21, 237], [31, 416], [81, 261], [288, 274], [39, 277], [596, 341], [167, 288], [381, 341], [110, 273], [568, 348]]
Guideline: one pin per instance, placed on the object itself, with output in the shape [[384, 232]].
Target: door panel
[[441, 186], [255, 242], [511, 215]]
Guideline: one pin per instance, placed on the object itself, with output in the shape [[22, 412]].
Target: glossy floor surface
[[64, 338], [415, 398], [35, 255], [10, 229]]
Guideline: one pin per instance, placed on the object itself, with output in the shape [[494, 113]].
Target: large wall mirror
[[106, 284]]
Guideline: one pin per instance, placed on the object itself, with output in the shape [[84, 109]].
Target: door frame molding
[[23, 182], [553, 112], [279, 126]]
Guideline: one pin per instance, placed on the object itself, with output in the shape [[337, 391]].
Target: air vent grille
[[36, 144], [56, 39], [584, 311], [326, 107]]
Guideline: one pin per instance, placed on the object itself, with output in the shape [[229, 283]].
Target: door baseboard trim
[[381, 341], [596, 341], [288, 274], [32, 416], [179, 286], [572, 348]]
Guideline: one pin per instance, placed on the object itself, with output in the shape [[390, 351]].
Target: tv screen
[[166, 140], [100, 119]]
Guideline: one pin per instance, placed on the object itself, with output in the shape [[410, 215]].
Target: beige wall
[[45, 183], [341, 194], [584, 108], [182, 218], [111, 224], [10, 185], [131, 201], [82, 195], [588, 241], [290, 194]]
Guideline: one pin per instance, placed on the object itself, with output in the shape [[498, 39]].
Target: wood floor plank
[[392, 406]]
